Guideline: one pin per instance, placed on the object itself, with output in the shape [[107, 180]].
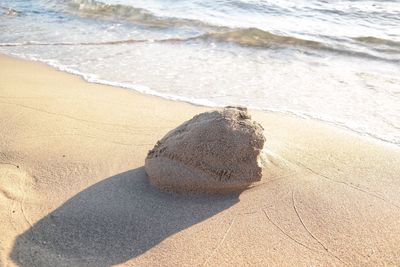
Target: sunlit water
[[336, 61]]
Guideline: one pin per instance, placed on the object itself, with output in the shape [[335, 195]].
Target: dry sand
[[73, 191]]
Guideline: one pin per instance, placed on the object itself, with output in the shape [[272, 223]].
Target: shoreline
[[73, 190], [201, 103]]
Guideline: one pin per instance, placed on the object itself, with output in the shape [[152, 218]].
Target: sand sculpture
[[216, 151]]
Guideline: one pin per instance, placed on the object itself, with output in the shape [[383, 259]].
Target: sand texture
[[214, 152], [73, 190]]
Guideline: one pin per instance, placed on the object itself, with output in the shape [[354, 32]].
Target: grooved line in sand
[[74, 118], [22, 202], [286, 234], [81, 135], [259, 186], [220, 243], [12, 164], [344, 183], [23, 192], [297, 241], [310, 233]]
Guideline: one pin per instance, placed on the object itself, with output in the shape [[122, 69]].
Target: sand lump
[[216, 151]]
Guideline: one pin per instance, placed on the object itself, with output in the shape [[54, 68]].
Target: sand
[[73, 191], [214, 152]]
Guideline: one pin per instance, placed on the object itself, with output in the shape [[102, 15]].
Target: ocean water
[[336, 61]]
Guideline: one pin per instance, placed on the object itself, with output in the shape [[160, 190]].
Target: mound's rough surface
[[213, 152]]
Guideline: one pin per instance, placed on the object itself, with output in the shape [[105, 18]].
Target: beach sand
[[73, 191]]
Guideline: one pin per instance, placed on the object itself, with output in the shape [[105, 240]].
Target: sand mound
[[213, 152]]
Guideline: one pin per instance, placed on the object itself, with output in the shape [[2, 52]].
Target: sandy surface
[[73, 191]]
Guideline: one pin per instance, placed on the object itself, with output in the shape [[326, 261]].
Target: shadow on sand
[[111, 222]]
